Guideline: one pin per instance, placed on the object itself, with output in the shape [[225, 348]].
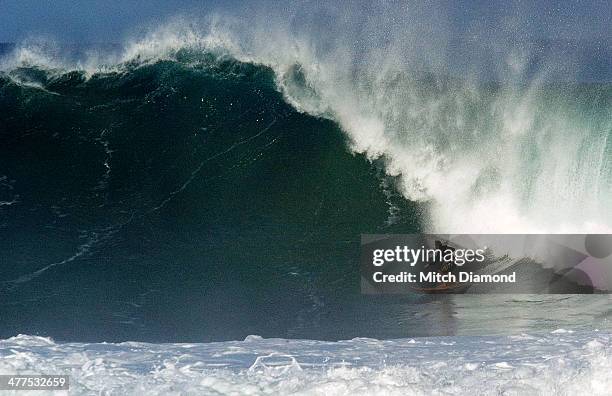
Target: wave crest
[[517, 155]]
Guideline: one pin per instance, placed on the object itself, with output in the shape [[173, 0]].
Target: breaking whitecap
[[560, 362]]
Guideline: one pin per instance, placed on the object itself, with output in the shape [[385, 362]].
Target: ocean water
[[205, 182]]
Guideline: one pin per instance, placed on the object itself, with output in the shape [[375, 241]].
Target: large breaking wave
[[508, 150], [201, 173]]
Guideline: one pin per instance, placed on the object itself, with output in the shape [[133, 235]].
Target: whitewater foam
[[560, 362]]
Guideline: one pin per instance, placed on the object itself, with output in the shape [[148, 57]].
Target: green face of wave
[[188, 192]]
